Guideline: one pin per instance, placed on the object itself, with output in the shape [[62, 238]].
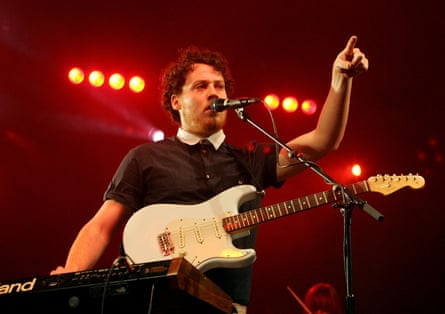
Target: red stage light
[[309, 106], [76, 75], [356, 170], [290, 104], [96, 78], [272, 101], [137, 84], [116, 81]]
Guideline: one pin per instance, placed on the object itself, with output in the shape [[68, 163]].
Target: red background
[[60, 143]]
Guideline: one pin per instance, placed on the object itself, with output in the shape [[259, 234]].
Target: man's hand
[[351, 61], [58, 270]]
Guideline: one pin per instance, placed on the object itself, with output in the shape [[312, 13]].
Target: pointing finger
[[349, 50]]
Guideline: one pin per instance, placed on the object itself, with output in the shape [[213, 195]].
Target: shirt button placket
[[205, 148]]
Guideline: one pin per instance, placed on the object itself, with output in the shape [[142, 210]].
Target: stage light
[[356, 170], [309, 106], [96, 78], [116, 81], [76, 75], [156, 135], [272, 101], [290, 104], [136, 84], [438, 157]]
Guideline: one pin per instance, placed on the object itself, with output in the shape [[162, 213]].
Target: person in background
[[198, 163], [322, 298]]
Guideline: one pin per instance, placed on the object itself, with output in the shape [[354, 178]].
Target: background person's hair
[[323, 296]]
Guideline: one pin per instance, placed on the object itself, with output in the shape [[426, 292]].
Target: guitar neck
[[251, 218]]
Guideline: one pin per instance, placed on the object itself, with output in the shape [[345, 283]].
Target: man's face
[[202, 84]]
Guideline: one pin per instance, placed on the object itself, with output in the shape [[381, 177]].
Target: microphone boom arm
[[349, 197], [291, 153], [349, 201]]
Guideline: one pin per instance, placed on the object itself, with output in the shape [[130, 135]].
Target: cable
[[107, 281], [150, 304], [277, 147], [128, 263]]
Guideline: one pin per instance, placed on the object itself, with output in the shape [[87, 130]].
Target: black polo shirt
[[173, 172]]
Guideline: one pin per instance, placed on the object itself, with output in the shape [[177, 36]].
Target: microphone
[[220, 104]]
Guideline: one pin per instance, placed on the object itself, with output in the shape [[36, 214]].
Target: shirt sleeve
[[125, 186]]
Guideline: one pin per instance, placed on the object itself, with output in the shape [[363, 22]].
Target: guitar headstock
[[387, 184]]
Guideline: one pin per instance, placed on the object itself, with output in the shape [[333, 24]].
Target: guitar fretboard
[[257, 216]]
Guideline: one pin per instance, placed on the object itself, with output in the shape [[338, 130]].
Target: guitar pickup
[[166, 243]]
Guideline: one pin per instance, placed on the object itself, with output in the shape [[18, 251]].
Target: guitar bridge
[[166, 243]]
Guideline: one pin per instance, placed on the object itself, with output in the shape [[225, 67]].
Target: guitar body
[[195, 232], [202, 233]]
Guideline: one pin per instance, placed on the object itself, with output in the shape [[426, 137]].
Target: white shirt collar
[[216, 138]]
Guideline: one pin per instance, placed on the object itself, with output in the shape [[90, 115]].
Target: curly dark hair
[[173, 77]]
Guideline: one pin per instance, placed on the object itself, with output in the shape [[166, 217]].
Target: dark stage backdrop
[[60, 144]]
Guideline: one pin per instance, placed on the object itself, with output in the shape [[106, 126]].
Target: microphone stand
[[349, 201]]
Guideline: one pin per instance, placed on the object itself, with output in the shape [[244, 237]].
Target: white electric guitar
[[202, 233]]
